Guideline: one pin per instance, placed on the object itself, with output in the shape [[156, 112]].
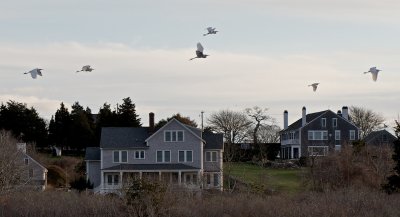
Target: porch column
[[199, 178], [291, 152], [120, 179], [140, 174], [179, 177], [102, 180], [159, 176]]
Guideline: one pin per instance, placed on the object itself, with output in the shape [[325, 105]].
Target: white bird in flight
[[34, 72], [86, 69], [210, 30], [199, 52], [374, 71], [314, 86]]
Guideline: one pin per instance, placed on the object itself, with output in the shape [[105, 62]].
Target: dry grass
[[344, 202]]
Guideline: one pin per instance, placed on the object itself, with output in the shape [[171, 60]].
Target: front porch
[[115, 179]]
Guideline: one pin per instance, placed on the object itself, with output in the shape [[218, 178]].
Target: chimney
[[345, 112], [303, 118], [151, 121], [21, 147], [285, 120]]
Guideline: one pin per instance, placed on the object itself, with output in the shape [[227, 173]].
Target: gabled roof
[[152, 167], [174, 120], [92, 153], [309, 117], [374, 134], [124, 137]]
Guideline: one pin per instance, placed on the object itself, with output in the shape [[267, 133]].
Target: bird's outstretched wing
[[314, 87], [210, 29], [200, 47]]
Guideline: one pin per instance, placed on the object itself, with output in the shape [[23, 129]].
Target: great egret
[[314, 86], [34, 72], [210, 30], [86, 69], [199, 52], [374, 71]]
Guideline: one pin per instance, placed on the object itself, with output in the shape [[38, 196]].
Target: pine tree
[[127, 116], [393, 184], [60, 128], [81, 134]]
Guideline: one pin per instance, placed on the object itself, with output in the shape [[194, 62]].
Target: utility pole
[[202, 116]]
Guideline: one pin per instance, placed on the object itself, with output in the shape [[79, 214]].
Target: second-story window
[[120, 156], [334, 122], [291, 135], [337, 134], [163, 156], [211, 156], [185, 156], [352, 135], [317, 135], [139, 154], [323, 122], [173, 136]]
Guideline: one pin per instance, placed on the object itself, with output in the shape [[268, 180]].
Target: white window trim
[[120, 156], [334, 122], [176, 131], [326, 149], [163, 156], [144, 155], [323, 122], [185, 156], [313, 135], [337, 131], [211, 158], [354, 135]]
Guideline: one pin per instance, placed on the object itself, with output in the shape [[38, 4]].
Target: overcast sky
[[265, 53]]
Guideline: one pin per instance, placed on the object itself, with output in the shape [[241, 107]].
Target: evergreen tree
[[393, 184], [59, 128], [127, 116], [81, 133], [23, 122]]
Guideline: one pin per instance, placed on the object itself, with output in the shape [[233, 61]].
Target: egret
[[199, 52], [34, 72], [210, 30], [314, 86], [86, 69], [374, 71]]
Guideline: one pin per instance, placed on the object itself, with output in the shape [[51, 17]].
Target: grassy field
[[281, 180]]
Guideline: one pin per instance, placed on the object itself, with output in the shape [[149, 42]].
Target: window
[[120, 156], [109, 179], [352, 135], [112, 179], [208, 178], [337, 134], [334, 122], [291, 135], [338, 147], [317, 135], [139, 154], [26, 160], [216, 179], [163, 156], [185, 156], [317, 150], [173, 136], [211, 156], [323, 122]]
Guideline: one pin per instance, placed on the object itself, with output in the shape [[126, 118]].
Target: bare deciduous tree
[[259, 116], [12, 168], [365, 119], [232, 124]]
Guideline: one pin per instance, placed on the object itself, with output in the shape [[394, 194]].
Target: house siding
[[93, 172], [343, 125], [213, 166]]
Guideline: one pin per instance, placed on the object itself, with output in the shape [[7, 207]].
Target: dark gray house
[[177, 154], [316, 133], [379, 138]]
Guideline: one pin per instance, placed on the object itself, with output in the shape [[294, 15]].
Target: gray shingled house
[[317, 133], [35, 173], [177, 154], [379, 138]]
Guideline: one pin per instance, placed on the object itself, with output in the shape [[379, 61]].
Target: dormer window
[[173, 136], [323, 122]]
